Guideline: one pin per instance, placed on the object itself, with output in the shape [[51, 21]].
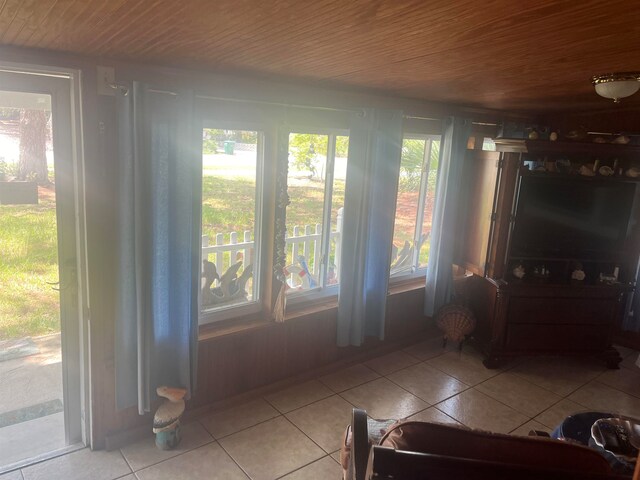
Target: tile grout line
[[467, 387], [173, 457], [566, 397], [499, 401], [303, 433], [454, 419], [442, 371], [216, 439], [439, 401], [490, 397], [611, 386], [332, 393], [127, 461], [303, 466], [228, 454], [532, 384], [213, 440], [354, 386], [291, 423]]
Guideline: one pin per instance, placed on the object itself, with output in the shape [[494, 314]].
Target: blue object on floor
[[578, 427]]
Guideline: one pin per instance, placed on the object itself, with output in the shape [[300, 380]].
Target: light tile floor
[[294, 434]]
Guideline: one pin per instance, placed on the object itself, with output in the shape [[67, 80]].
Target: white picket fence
[[305, 241]]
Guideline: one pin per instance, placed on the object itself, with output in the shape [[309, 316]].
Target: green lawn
[[28, 305], [219, 215]]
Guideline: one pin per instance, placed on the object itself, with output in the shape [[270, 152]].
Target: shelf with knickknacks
[[559, 221], [582, 153]]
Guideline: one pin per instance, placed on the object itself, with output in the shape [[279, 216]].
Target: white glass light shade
[[617, 89]]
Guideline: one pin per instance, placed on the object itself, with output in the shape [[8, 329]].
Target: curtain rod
[[125, 89], [360, 112], [413, 117]]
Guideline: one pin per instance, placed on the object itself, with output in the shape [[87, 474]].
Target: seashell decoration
[[621, 140], [633, 172], [605, 171], [587, 170], [456, 321], [578, 275], [519, 271]]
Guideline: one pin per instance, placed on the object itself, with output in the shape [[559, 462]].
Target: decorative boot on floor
[[166, 422]]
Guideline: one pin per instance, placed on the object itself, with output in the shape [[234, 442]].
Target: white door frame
[[64, 87]]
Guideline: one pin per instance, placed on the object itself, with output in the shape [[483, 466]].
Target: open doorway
[[40, 409]]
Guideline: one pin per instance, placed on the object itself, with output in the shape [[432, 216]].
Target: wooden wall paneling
[[312, 342], [500, 57], [236, 363]]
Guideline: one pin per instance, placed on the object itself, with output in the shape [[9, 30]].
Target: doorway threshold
[[40, 458]]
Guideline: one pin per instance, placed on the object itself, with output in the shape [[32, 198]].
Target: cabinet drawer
[[582, 311], [559, 338]]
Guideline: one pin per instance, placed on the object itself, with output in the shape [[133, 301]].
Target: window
[[315, 182], [232, 163], [414, 207]]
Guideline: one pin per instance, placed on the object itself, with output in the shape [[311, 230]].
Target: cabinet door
[[503, 213], [481, 172]]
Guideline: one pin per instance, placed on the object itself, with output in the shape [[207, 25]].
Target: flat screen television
[[571, 217]]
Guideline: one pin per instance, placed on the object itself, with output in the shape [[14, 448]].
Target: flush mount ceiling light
[[616, 85]]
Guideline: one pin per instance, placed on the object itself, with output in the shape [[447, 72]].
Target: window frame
[[227, 312], [415, 270], [323, 291]]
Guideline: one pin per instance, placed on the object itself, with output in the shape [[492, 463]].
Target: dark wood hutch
[[545, 311]]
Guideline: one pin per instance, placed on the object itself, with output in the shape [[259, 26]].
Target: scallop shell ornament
[[456, 321]]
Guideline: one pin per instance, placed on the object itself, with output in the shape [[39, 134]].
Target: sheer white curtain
[[449, 195]]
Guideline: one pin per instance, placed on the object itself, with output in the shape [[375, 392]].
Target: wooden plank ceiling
[[504, 54]]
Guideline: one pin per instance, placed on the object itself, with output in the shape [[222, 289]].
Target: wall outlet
[[106, 76]]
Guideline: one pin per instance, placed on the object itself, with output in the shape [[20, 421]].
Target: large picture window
[[315, 182], [414, 207], [232, 162]]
